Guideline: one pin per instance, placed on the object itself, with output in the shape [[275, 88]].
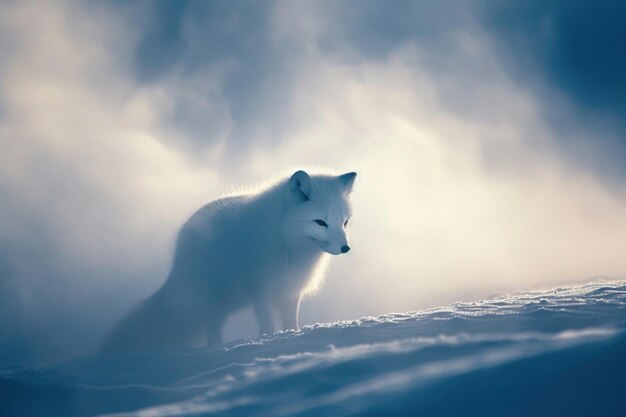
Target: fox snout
[[336, 250], [336, 247]]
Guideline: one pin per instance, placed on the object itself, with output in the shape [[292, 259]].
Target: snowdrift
[[555, 352]]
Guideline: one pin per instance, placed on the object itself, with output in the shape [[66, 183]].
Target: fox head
[[320, 209]]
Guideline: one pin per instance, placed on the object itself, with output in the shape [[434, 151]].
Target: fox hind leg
[[288, 308], [214, 328], [264, 317]]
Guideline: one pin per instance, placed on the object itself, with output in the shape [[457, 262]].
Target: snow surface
[[555, 352]]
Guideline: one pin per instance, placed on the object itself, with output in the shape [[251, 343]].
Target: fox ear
[[348, 180], [300, 186]]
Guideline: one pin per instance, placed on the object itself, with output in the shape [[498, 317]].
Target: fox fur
[[265, 249]]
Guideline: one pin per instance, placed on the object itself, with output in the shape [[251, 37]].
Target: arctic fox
[[265, 249]]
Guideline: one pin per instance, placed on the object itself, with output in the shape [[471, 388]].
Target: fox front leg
[[264, 317], [288, 308]]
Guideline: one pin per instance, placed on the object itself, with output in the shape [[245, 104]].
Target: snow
[[555, 352]]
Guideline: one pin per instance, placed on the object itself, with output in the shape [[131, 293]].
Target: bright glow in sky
[[465, 186]]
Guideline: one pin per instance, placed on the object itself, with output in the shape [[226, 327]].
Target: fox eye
[[321, 222], [345, 223]]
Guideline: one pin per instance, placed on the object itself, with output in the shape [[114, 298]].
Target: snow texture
[[542, 353]]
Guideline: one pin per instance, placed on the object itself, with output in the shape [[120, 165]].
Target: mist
[[118, 121]]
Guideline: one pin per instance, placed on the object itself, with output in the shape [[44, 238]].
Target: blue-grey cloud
[[254, 72], [575, 49], [575, 46], [567, 53]]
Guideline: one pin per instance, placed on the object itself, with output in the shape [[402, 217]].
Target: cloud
[[575, 46], [89, 196], [569, 54], [119, 120]]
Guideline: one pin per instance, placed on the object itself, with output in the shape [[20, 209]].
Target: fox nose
[[345, 248]]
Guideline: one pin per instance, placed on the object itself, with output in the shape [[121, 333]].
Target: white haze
[[460, 191]]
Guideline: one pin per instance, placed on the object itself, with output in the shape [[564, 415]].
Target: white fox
[[265, 249]]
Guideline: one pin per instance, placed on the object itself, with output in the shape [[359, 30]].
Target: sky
[[489, 140]]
